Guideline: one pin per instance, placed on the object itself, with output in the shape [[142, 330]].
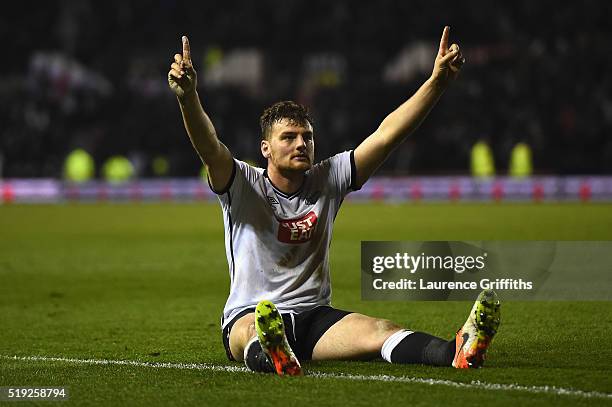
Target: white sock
[[392, 342]]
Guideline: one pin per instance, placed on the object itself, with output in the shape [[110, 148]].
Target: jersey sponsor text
[[297, 230]]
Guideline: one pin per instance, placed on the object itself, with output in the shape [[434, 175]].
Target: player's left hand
[[449, 61]]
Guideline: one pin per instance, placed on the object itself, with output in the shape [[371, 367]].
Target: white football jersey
[[277, 244]]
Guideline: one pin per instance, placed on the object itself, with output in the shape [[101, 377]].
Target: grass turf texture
[[148, 282]]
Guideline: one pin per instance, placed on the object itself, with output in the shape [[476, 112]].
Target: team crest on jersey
[[297, 230]]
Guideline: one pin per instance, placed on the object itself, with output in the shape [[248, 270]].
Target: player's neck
[[287, 182]]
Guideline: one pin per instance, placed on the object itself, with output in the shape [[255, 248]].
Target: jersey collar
[[281, 193]]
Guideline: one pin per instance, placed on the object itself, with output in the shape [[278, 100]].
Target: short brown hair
[[287, 109]]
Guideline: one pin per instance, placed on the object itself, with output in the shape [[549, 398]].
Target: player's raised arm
[[182, 79], [374, 150]]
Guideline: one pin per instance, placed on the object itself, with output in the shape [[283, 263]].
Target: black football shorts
[[303, 330]]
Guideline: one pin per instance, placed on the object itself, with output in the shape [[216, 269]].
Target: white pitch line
[[162, 365], [475, 384]]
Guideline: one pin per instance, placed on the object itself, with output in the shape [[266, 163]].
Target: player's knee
[[386, 327], [380, 330], [377, 333], [251, 332], [241, 333]]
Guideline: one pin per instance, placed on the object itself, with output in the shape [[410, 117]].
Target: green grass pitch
[[147, 283]]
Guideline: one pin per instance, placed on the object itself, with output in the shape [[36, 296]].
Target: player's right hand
[[182, 78]]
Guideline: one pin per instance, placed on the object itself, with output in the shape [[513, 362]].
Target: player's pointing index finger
[[186, 49], [444, 41]]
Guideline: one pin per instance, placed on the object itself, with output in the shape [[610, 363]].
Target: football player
[[278, 229]]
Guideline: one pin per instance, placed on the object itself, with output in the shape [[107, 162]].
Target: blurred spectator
[[520, 160], [117, 169], [93, 74], [160, 166], [481, 160], [79, 166]]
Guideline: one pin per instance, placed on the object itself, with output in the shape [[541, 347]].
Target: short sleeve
[[242, 174], [341, 172]]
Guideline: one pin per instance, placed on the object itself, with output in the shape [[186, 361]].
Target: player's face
[[290, 146]]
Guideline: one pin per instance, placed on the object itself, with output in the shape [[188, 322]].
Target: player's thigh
[[356, 336], [241, 333]]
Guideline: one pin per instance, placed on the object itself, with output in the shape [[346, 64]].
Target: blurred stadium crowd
[[93, 75]]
